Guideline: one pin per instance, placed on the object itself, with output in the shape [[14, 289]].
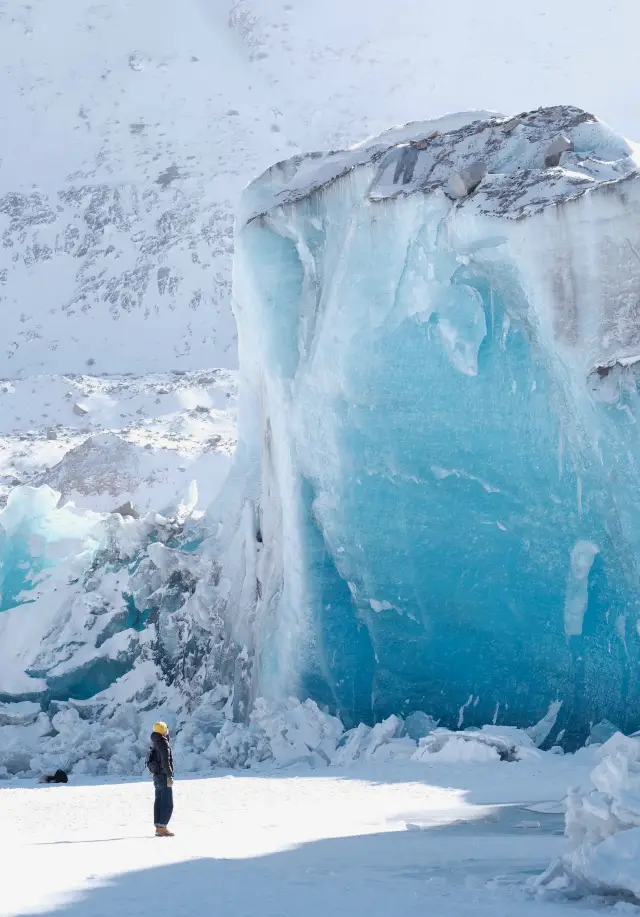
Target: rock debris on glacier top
[[516, 166]]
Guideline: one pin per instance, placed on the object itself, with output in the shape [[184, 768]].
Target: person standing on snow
[[160, 764]]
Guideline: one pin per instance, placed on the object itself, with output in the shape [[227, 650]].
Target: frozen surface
[[380, 839], [437, 473]]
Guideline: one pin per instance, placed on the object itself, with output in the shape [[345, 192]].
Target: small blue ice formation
[[96, 602], [439, 338]]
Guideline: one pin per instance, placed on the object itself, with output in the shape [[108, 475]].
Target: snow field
[[380, 840]]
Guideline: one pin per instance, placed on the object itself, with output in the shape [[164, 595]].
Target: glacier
[[433, 503], [438, 445]]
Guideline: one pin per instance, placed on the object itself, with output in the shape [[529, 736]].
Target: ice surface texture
[[437, 471]]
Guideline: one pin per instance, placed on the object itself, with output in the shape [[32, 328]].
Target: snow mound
[[106, 736], [296, 732], [115, 745], [106, 608], [71, 737], [392, 740], [603, 827], [488, 744]]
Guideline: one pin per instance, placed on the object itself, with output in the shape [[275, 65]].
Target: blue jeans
[[163, 805]]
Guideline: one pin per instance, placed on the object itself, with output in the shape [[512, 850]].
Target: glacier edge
[[438, 404]]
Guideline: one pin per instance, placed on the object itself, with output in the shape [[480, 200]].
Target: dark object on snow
[[160, 757], [553, 153], [127, 509], [463, 183], [58, 777], [407, 159]]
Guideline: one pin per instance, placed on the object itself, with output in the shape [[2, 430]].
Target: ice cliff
[[438, 447], [434, 503]]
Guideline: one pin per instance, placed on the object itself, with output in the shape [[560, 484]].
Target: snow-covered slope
[[130, 128], [103, 441]]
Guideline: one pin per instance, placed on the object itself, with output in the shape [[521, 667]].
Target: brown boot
[[164, 832]]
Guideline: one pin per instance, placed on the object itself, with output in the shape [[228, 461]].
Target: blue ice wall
[[455, 535], [440, 396]]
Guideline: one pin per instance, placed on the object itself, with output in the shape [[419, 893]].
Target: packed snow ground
[[446, 839]]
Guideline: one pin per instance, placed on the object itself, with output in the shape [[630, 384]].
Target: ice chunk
[[291, 733], [488, 744], [455, 749], [21, 713], [577, 594], [553, 153], [87, 615], [419, 724], [602, 732], [387, 330], [603, 827]]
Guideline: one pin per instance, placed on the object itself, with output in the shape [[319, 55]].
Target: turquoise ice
[[438, 333]]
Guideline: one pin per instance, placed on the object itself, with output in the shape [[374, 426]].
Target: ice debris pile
[[70, 737], [438, 462], [105, 608], [603, 827]]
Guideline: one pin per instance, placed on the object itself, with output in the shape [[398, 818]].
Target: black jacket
[[163, 754]]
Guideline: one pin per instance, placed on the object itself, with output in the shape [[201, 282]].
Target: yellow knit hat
[[161, 727]]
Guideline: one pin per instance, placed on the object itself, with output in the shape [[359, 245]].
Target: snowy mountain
[[129, 129]]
